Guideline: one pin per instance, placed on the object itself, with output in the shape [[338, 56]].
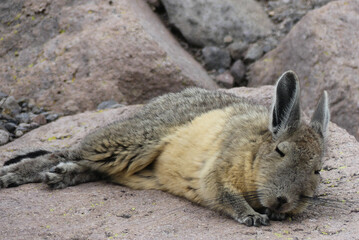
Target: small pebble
[[4, 137], [269, 44], [225, 80], [37, 110], [3, 95], [19, 133], [255, 51], [228, 39], [237, 49], [23, 117], [51, 116], [216, 58], [10, 127], [107, 104], [34, 125], [238, 71], [39, 119], [10, 106], [24, 125]]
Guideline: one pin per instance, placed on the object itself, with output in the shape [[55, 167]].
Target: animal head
[[289, 172]]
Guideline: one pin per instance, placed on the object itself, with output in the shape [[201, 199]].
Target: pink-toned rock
[[323, 49], [72, 55], [101, 210], [39, 119], [225, 80]]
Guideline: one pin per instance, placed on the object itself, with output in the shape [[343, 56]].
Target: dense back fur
[[212, 148]]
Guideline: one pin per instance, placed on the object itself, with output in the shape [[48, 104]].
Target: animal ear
[[321, 116], [285, 114]]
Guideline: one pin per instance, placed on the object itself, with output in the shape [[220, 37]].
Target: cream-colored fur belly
[[189, 154]]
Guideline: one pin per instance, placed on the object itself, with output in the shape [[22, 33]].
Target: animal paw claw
[[254, 220]]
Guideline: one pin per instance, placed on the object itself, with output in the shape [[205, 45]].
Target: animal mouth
[[279, 205]]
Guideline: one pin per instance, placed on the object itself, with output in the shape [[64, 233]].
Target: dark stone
[[37, 110], [238, 71], [10, 127], [23, 102], [216, 58], [237, 49], [51, 116], [23, 117]]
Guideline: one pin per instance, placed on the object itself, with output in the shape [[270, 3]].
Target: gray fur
[[262, 160]]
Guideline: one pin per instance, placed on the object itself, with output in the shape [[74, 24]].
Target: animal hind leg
[[27, 168]]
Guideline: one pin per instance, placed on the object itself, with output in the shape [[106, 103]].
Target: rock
[[237, 49], [269, 43], [70, 107], [23, 117], [238, 71], [51, 116], [10, 106], [216, 58], [255, 51], [31, 104], [34, 125], [53, 214], [4, 137], [154, 3], [37, 110], [19, 133], [2, 95], [90, 51], [286, 13], [39, 119], [208, 22], [108, 104], [325, 57], [225, 80], [228, 39], [10, 127], [23, 102]]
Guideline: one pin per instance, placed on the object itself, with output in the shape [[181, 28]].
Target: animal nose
[[281, 201]]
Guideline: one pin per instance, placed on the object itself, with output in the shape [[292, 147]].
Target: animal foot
[[10, 180], [61, 175], [275, 216], [254, 220]]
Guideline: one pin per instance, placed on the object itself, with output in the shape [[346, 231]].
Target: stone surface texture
[[65, 53], [323, 49], [105, 211], [211, 22]]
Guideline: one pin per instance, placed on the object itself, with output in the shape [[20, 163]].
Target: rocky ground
[[105, 211], [110, 54]]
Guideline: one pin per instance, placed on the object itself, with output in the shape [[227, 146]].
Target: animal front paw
[[60, 176], [275, 215], [255, 219], [10, 180]]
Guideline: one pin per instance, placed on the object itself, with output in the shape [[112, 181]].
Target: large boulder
[[323, 49], [208, 22], [105, 211], [80, 53]]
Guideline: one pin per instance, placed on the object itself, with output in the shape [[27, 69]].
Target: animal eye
[[317, 172], [279, 152]]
